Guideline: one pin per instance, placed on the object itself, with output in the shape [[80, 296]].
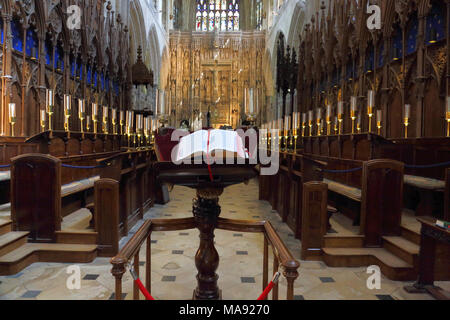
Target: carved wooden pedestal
[[206, 210]]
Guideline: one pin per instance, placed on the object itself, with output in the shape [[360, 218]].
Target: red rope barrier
[[141, 286], [269, 288]]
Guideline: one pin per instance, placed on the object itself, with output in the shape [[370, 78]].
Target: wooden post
[[107, 216], [447, 195], [36, 196], [314, 218], [382, 200]]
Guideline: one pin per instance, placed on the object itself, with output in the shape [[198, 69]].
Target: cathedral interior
[[351, 97]]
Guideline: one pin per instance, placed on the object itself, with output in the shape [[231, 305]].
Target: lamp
[[310, 120], [319, 119], [433, 36]]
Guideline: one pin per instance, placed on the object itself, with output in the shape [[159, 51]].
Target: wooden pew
[[134, 172], [39, 200]]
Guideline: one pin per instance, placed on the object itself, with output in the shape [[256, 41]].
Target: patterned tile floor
[[173, 268]]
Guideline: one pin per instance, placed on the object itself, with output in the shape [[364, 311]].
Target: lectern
[[210, 183]]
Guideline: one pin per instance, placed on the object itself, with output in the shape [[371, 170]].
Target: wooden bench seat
[[78, 186], [425, 183], [344, 190]]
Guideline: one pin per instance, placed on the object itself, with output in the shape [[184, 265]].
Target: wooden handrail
[[282, 257]]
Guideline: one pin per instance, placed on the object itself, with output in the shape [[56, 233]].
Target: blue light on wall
[[89, 75], [48, 53], [397, 44], [1, 31], [411, 35], [381, 55], [59, 58], [32, 47], [95, 79], [17, 36], [435, 28]]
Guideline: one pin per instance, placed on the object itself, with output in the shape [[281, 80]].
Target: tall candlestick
[[43, 120], [407, 117], [340, 115], [310, 120], [379, 120], [303, 123], [105, 119], [329, 110], [353, 110], [12, 117], [67, 111], [319, 119], [370, 106], [50, 106], [88, 123], [447, 116], [81, 113], [114, 120], [94, 116]]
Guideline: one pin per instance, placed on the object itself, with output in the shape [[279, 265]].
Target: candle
[[311, 116], [122, 117], [340, 109], [162, 107], [81, 108], [379, 116], [329, 112], [448, 104], [295, 121], [287, 123], [371, 100], [319, 114], [43, 116], [130, 120], [12, 112], [407, 111], [94, 111], [304, 118], [49, 96], [114, 115], [88, 121], [67, 104], [354, 107]]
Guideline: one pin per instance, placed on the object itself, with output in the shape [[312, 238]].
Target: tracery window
[[222, 15]]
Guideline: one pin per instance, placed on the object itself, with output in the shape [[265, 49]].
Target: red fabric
[[164, 145], [144, 291]]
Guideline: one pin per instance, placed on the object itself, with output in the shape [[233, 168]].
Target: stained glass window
[[259, 14], [222, 15]]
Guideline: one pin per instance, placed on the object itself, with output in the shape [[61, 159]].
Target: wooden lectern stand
[[206, 210]]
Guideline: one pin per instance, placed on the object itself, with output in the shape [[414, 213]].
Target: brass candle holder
[[12, 117], [94, 116], [340, 115]]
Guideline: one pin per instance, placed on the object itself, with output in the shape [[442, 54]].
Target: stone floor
[[173, 268]]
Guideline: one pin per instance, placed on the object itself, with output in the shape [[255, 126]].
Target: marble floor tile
[[173, 262]]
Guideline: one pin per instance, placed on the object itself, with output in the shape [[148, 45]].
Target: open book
[[206, 142]]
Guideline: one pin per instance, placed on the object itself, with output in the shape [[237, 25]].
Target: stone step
[[402, 248], [17, 260], [11, 241], [5, 226], [391, 266]]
